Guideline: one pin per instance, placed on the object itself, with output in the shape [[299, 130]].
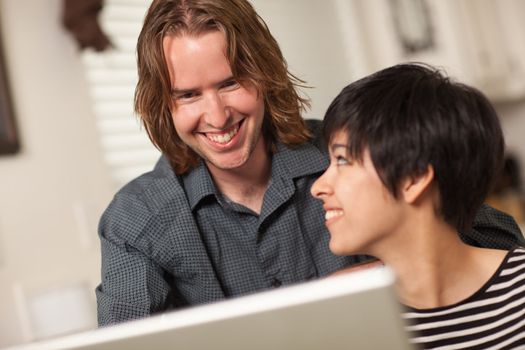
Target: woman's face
[[360, 211]]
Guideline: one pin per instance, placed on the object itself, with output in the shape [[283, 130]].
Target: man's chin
[[226, 165]]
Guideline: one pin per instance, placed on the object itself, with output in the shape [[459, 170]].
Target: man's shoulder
[[155, 188], [315, 126], [306, 159], [493, 229], [151, 214], [146, 199]]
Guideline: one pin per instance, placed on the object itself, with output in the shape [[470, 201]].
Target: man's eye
[[230, 84], [184, 96]]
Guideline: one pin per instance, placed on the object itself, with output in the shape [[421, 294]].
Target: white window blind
[[112, 76]]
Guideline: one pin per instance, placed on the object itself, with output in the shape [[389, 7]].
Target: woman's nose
[[320, 189]]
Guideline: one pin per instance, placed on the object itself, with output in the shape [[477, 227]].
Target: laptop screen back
[[357, 311]]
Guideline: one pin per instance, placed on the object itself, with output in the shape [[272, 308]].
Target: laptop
[[358, 310]]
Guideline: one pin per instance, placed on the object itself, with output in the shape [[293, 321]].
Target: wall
[[52, 192], [512, 116], [301, 28]]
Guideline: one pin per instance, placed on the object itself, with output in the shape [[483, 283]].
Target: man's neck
[[247, 184]]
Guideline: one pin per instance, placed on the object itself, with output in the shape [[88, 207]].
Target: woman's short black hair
[[411, 116]]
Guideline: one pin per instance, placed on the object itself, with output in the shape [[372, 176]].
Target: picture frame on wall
[[413, 25], [9, 141]]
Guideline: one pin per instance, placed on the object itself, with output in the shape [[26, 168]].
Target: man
[[227, 209]]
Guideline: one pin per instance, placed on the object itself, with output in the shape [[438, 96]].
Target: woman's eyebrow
[[335, 146]]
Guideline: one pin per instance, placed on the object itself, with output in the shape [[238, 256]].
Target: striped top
[[492, 318]]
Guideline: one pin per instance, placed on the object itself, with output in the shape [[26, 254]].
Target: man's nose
[[217, 114]]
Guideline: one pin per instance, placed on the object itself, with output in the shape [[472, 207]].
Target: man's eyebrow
[[175, 91]]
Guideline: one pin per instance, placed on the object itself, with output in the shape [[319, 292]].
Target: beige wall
[[513, 120], [302, 27], [51, 193]]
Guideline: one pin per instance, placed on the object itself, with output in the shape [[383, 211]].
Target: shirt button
[[276, 283]]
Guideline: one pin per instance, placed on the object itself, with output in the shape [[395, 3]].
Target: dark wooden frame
[[9, 142]]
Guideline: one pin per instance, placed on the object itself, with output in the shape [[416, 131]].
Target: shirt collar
[[288, 161], [198, 184]]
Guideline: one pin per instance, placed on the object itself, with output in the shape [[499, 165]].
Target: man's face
[[217, 116]]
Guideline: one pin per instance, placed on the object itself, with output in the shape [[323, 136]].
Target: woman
[[412, 157]]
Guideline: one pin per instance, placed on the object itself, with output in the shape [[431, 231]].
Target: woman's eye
[[340, 160]]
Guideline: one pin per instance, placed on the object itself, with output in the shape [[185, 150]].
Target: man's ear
[[414, 186]]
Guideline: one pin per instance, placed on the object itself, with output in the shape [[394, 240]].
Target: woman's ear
[[414, 186]]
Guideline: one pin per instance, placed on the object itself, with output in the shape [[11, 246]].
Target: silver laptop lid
[[352, 311]]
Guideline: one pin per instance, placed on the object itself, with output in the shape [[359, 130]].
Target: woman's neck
[[435, 268]]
